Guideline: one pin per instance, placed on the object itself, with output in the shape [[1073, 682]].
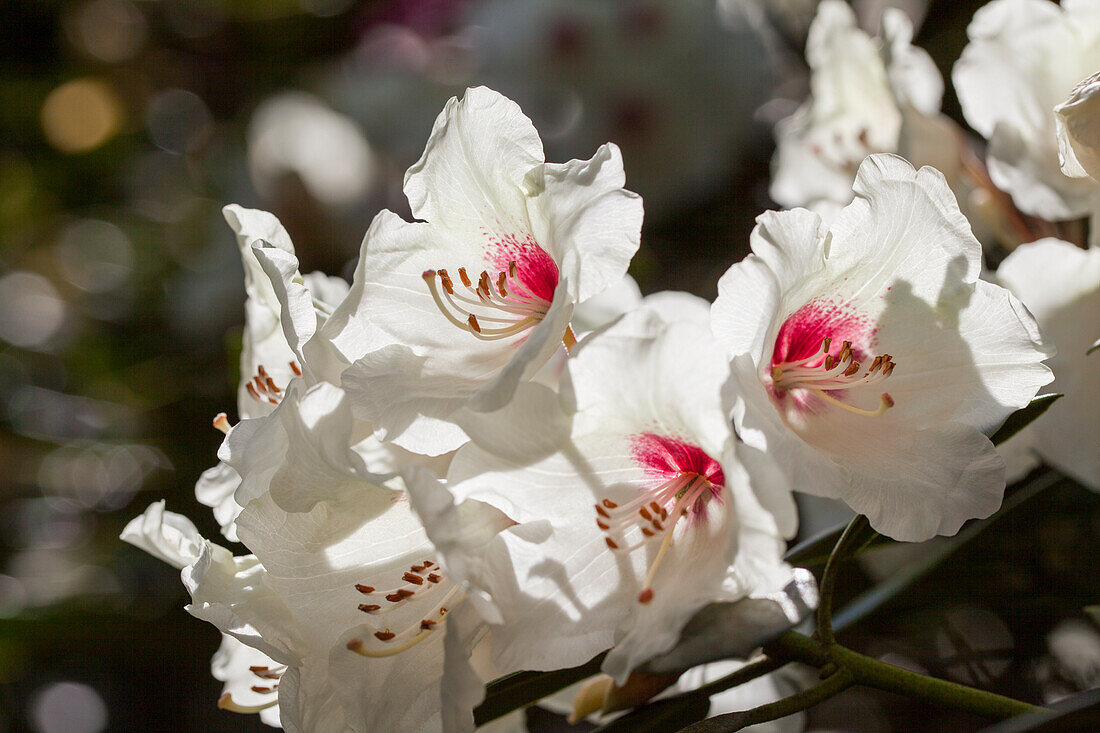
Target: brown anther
[[610, 504], [465, 278], [655, 507], [875, 364], [664, 514], [368, 607], [512, 268], [829, 363], [411, 578], [252, 391], [852, 369], [427, 563], [645, 514], [257, 670], [602, 512], [645, 596], [427, 625], [474, 325], [442, 611], [888, 370], [446, 280], [611, 543], [259, 383], [433, 578], [603, 526], [647, 532], [384, 635], [405, 593], [261, 371], [417, 568], [657, 525], [295, 368], [271, 385], [826, 343], [500, 285], [395, 597], [261, 690], [364, 589]]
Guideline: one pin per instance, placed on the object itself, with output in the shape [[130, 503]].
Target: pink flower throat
[[686, 479]]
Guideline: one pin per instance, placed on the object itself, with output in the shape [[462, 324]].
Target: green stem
[[880, 675], [832, 685], [748, 673], [845, 546]]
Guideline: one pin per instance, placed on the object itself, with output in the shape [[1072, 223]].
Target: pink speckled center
[[666, 458], [535, 268], [801, 334]]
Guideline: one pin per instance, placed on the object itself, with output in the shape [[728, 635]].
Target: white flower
[[251, 679], [868, 358], [862, 91], [268, 360], [343, 588], [1077, 124], [1060, 285], [633, 510], [455, 311], [1024, 57]]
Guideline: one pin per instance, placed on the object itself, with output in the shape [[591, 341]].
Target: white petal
[[231, 593], [298, 318], [1060, 283], [216, 488], [165, 535], [469, 179], [307, 701], [233, 664], [914, 78], [585, 218]]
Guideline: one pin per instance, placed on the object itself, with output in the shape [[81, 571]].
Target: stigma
[[496, 307], [822, 373]]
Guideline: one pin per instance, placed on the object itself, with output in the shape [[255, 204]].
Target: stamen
[[225, 702], [501, 300], [822, 375]]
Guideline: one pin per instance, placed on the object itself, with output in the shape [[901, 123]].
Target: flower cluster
[[489, 454]]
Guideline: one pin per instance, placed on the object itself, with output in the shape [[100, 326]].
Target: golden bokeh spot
[[80, 115]]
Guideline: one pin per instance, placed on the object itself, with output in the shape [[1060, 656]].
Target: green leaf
[[664, 715], [1020, 419], [525, 688]]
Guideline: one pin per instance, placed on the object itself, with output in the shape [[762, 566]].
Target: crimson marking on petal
[[666, 457], [528, 263], [800, 336]]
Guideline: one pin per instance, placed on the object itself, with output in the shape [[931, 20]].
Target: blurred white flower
[[296, 133], [1024, 58], [1060, 285], [1078, 127], [862, 90], [818, 320]]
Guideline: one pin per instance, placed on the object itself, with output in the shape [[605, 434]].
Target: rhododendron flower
[[453, 312], [343, 587], [1023, 59], [268, 361], [1077, 123], [868, 358], [634, 507], [862, 91], [1060, 284]]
